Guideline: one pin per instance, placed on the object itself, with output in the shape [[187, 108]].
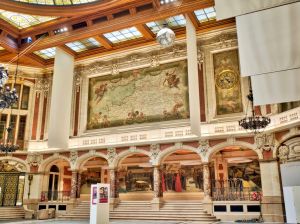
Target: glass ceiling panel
[[46, 53], [123, 35], [205, 15], [172, 22], [23, 20], [83, 45], [57, 2]]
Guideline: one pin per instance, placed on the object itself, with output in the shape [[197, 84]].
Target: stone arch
[[25, 168], [222, 145], [87, 156], [285, 138], [127, 153], [168, 151], [47, 163]]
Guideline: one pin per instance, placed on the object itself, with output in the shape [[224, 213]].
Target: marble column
[[114, 186], [206, 182], [73, 185], [78, 185], [272, 201], [193, 79], [157, 191], [61, 100]]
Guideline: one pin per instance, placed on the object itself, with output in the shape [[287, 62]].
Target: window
[[173, 22], [123, 35], [46, 53], [83, 45], [17, 117], [205, 15]]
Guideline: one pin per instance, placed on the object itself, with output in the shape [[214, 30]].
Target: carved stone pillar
[[73, 185], [157, 191], [206, 182], [114, 186], [78, 185]]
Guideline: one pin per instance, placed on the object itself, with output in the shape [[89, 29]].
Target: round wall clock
[[226, 79]]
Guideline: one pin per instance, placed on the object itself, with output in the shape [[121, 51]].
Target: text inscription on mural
[[227, 82], [139, 96]]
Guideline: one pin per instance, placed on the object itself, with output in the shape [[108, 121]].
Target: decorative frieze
[[283, 153], [34, 159], [203, 147], [111, 154], [43, 86], [265, 142], [154, 151]]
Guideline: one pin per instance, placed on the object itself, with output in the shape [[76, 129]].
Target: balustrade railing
[[55, 196], [234, 190]]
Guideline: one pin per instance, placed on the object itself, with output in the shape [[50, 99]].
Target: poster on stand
[[103, 194]]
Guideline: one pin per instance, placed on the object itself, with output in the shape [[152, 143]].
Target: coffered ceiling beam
[[67, 50], [103, 41], [145, 31], [156, 3], [121, 23], [7, 43], [193, 19]]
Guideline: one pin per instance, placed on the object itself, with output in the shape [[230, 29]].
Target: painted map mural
[[139, 96]]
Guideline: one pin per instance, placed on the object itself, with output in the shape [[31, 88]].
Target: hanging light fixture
[[165, 37], [8, 97], [254, 123]]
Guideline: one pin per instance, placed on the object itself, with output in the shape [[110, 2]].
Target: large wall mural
[[139, 96], [227, 82]]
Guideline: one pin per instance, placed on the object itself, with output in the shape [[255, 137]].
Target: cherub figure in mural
[[99, 92], [171, 79], [175, 110], [135, 116]]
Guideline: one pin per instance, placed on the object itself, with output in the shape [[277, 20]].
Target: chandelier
[[8, 96], [254, 123], [7, 146]]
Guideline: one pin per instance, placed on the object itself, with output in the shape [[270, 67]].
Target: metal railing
[[55, 196], [233, 190]]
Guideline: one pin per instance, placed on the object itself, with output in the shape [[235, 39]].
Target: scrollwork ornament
[[200, 57], [73, 157], [154, 150], [203, 147], [154, 61], [111, 154], [283, 153], [264, 141], [115, 69], [34, 159], [42, 86], [132, 149]]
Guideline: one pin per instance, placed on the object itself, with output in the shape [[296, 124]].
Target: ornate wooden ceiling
[[99, 27]]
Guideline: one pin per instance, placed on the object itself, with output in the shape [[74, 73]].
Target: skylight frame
[[46, 54], [123, 35], [174, 22], [205, 15], [22, 21], [83, 45]]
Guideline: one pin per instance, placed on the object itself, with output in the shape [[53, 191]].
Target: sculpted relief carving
[[265, 142]]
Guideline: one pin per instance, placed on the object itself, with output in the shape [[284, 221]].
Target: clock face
[[226, 79]]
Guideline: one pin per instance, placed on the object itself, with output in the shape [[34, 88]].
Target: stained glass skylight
[[57, 2], [46, 53], [123, 35], [83, 45], [172, 22], [205, 15], [23, 20]]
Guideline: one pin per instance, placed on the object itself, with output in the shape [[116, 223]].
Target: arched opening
[[235, 173], [92, 171], [57, 181], [182, 176], [12, 181], [135, 178]]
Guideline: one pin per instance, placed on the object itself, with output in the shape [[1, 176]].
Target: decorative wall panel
[[227, 82], [139, 96]]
